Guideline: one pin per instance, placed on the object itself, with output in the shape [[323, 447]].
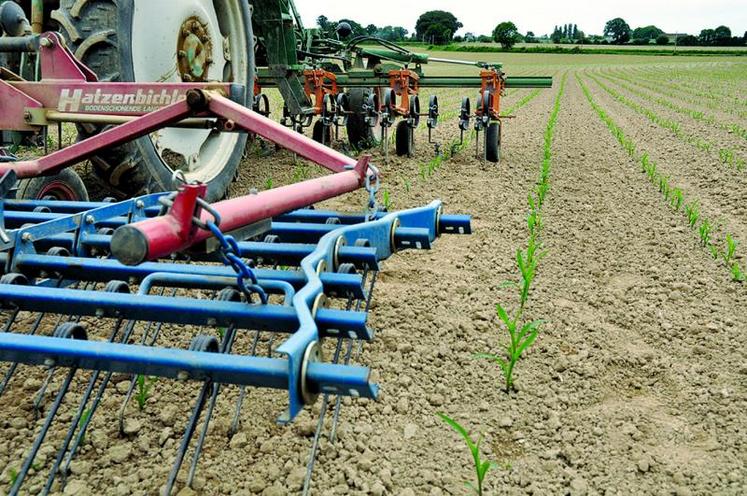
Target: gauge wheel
[[164, 41]]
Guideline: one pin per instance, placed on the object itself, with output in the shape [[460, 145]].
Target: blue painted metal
[[316, 242]]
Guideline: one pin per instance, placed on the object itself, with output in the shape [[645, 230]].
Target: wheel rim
[[57, 190], [190, 40]]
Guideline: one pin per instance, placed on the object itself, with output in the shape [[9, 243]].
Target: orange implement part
[[404, 83], [493, 81], [318, 84]]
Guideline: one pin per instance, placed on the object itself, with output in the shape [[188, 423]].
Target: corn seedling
[[12, 476], [705, 232], [736, 273], [386, 199], [268, 183], [408, 185], [481, 466], [144, 386], [731, 249], [677, 199], [692, 210]]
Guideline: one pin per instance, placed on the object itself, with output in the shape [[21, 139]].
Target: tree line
[[438, 27]]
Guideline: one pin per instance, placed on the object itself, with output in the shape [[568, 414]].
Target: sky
[[481, 16]]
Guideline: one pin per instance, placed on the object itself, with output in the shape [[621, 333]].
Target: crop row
[[720, 87], [696, 115], [521, 333], [674, 196], [658, 84], [726, 155]]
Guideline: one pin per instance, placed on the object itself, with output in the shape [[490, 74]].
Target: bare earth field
[[637, 383]]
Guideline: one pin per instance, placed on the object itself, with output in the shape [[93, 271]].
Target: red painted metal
[[15, 107], [317, 84], [58, 62], [405, 84], [494, 85], [175, 232], [277, 133], [73, 154]]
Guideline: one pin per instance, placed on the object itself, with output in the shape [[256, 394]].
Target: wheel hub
[[194, 48]]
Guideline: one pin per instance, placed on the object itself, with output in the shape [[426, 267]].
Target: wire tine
[[13, 366], [242, 393], [319, 426], [188, 433], [226, 347], [78, 420], [42, 434]]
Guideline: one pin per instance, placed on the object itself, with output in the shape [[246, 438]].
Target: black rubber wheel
[[360, 134], [405, 139], [493, 142], [65, 186], [321, 133], [99, 32]]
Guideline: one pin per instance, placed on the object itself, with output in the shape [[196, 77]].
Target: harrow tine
[[34, 328], [45, 428], [204, 344]]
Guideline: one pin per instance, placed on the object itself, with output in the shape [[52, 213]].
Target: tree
[[618, 29], [557, 35], [662, 39], [323, 23], [722, 35], [707, 37], [530, 37], [371, 29], [687, 40], [506, 34], [437, 26], [574, 35], [647, 33]]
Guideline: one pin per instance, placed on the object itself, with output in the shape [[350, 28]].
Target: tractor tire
[[360, 134], [404, 139], [65, 186], [493, 142], [101, 34]]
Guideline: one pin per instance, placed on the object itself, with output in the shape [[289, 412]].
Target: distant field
[[541, 63]]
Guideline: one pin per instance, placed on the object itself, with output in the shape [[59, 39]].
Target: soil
[[636, 385]]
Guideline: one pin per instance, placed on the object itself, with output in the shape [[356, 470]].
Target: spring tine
[[319, 426], [133, 379], [34, 329], [76, 422], [188, 433], [40, 438], [242, 393], [9, 324], [226, 346]]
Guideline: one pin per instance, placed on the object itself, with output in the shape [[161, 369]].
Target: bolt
[[27, 116], [212, 322], [90, 219], [139, 204], [182, 54], [100, 312], [49, 362], [183, 375], [27, 237], [46, 43], [187, 78]]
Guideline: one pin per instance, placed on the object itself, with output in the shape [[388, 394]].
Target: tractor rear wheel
[[164, 41], [65, 186], [360, 134]]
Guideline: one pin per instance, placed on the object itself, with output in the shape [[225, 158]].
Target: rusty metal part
[[194, 46]]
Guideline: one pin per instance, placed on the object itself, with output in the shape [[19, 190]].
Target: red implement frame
[[405, 84], [318, 84], [493, 87]]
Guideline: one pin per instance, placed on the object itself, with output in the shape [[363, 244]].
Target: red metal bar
[[55, 162], [161, 236], [297, 143]]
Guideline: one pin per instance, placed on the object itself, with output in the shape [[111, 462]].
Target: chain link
[[373, 185]]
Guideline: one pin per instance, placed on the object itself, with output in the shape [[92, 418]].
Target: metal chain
[[373, 185], [229, 251]]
